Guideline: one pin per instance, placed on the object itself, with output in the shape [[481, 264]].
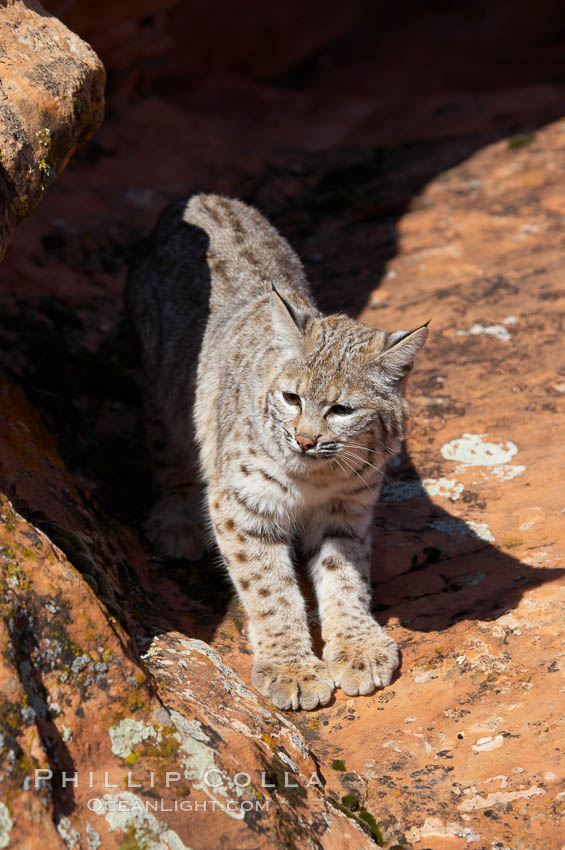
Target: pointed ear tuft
[[401, 347], [288, 321]]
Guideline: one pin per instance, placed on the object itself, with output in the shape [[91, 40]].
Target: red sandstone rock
[[464, 749], [88, 728], [51, 101]]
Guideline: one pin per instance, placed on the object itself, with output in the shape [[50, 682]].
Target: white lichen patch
[[485, 474], [507, 471], [513, 623], [196, 757], [288, 761], [540, 558], [241, 727], [229, 678], [488, 743], [126, 812], [190, 653], [199, 762], [473, 450], [449, 488], [92, 838], [500, 778], [297, 741], [5, 825], [426, 676], [128, 734], [497, 331], [70, 836], [455, 527], [481, 529], [500, 798], [435, 828], [403, 491]]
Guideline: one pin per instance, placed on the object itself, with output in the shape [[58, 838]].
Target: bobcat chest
[[267, 487]]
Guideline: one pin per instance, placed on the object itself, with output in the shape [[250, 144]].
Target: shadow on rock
[[432, 569], [341, 211]]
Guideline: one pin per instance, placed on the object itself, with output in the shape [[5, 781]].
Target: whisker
[[376, 451], [386, 477], [345, 473], [362, 460], [355, 471]]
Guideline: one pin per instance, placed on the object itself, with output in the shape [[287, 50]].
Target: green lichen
[[520, 141], [138, 704], [20, 764], [10, 721], [364, 819], [338, 764], [46, 171], [513, 542], [6, 824], [137, 839], [133, 740], [24, 206], [369, 819], [82, 109], [351, 801], [46, 174], [44, 136], [8, 516], [165, 746], [15, 577]]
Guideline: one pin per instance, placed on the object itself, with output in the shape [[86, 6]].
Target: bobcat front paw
[[304, 683], [174, 531], [362, 663]]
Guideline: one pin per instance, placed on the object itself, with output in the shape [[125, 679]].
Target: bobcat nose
[[304, 442]]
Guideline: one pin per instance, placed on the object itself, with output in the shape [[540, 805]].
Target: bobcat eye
[[340, 410], [292, 398]]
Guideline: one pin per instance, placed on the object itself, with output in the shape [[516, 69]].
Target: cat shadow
[[92, 402], [189, 596], [432, 569]]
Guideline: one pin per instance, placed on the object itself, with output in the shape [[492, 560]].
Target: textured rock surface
[[51, 101], [85, 722], [464, 749]]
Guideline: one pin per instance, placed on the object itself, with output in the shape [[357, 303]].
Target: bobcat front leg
[[359, 653], [258, 558]]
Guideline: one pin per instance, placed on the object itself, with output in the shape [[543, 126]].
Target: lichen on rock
[[117, 665], [51, 101]]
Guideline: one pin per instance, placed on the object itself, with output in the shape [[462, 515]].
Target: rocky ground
[[113, 661]]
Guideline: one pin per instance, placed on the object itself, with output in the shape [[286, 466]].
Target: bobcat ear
[[401, 347], [288, 321]]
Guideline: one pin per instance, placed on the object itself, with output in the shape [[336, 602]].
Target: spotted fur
[[278, 420]]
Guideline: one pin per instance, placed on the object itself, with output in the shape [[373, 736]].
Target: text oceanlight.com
[[101, 805]]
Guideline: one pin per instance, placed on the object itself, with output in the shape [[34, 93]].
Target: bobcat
[[279, 420]]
